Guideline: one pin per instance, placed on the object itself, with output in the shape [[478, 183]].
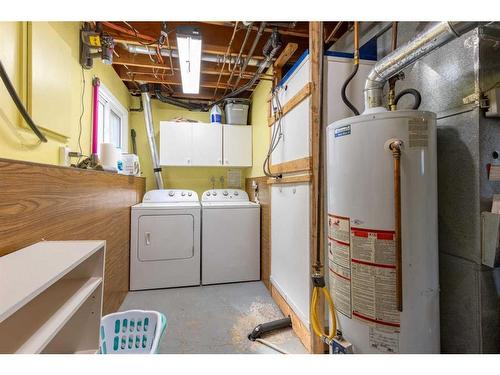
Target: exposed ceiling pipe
[[238, 59], [250, 53], [148, 119], [438, 35], [145, 50], [228, 50], [270, 50]]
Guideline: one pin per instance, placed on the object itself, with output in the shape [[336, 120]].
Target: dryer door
[[166, 237]]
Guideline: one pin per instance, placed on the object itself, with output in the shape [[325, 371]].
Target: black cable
[[416, 96], [344, 87], [275, 138], [15, 98]]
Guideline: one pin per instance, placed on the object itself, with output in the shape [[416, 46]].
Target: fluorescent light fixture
[[189, 48]]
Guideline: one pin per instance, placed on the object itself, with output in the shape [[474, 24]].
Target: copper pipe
[[238, 59], [128, 31], [225, 56], [356, 43], [396, 147]]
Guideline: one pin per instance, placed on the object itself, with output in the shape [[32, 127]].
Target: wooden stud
[[292, 103], [315, 55], [285, 55], [292, 166], [290, 179]]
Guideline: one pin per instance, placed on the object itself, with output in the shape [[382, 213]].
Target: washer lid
[[229, 205]]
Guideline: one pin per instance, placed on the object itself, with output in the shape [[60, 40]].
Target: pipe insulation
[[145, 50], [148, 119], [427, 41]]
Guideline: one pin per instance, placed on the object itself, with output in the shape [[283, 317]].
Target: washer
[[230, 237], [165, 240]]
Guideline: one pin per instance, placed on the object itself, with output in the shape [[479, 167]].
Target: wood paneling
[[265, 225], [46, 202]]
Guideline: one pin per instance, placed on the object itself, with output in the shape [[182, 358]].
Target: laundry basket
[[132, 332]]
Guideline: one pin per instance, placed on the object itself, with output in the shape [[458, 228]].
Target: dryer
[[165, 240], [230, 237]]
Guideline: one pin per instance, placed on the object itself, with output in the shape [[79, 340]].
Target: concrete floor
[[215, 319]]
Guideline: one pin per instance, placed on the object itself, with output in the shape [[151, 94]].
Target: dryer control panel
[[222, 195], [170, 196]]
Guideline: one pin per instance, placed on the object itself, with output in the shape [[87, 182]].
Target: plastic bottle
[[215, 115]]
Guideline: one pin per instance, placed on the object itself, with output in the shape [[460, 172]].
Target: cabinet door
[[237, 150], [176, 143], [207, 145]]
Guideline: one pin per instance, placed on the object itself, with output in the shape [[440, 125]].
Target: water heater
[[379, 311]]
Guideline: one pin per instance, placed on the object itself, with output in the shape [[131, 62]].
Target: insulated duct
[[438, 35], [145, 50], [179, 103], [148, 119]]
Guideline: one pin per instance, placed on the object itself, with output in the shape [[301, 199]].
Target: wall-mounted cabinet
[[205, 145]]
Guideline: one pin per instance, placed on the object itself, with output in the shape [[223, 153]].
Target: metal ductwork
[[145, 50], [148, 119], [438, 35]]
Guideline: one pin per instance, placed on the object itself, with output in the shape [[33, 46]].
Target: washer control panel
[[222, 195], [170, 196]]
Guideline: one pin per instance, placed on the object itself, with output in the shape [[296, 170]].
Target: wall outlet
[[64, 158]]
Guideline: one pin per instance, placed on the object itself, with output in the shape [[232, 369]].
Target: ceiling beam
[[266, 29], [141, 77]]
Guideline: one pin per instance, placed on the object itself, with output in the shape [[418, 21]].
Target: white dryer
[[165, 240], [230, 237]]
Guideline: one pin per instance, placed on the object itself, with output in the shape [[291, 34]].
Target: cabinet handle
[[148, 238]]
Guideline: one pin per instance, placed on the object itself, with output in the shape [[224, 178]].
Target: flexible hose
[[315, 321], [19, 104], [415, 93], [343, 94]]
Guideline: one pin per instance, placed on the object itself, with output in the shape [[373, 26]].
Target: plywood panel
[[290, 239], [58, 203]]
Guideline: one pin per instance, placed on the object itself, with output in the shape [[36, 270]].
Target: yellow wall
[[260, 130], [20, 143], [194, 178]]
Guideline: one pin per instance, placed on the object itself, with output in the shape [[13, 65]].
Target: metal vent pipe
[[148, 119], [145, 50], [438, 35]]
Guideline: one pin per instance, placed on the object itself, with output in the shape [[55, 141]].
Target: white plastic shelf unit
[[51, 297]]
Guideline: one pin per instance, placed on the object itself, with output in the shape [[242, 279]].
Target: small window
[[112, 120]]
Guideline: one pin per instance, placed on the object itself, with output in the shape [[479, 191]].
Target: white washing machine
[[230, 237], [165, 240]]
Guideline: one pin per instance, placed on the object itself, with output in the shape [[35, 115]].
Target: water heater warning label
[[362, 270], [339, 262], [418, 133], [373, 277]]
